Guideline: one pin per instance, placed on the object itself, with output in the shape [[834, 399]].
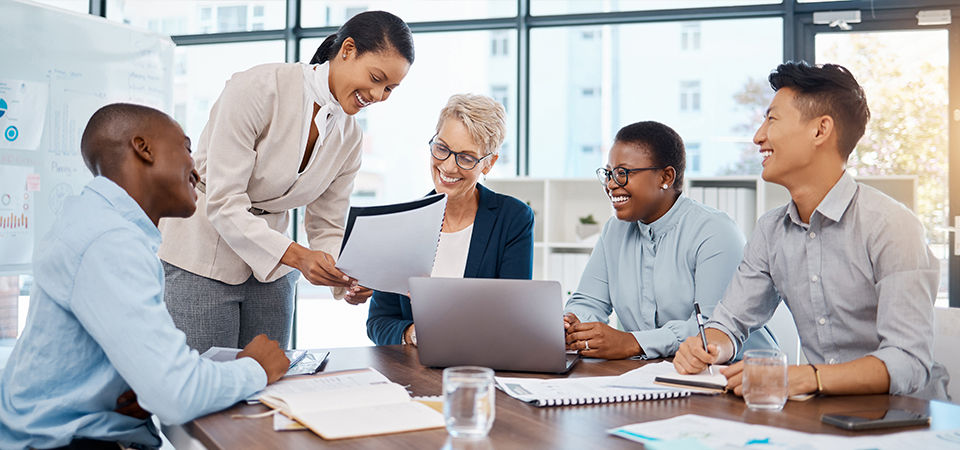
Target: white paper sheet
[[17, 218], [23, 109], [383, 250]]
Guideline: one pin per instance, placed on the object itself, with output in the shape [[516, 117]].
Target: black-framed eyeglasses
[[441, 152], [620, 175]]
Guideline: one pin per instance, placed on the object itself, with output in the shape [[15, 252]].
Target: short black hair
[[372, 31], [827, 90], [109, 130], [664, 145]]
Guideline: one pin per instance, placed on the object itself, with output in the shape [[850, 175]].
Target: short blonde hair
[[484, 117]]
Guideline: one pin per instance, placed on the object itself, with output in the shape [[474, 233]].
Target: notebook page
[[300, 403], [372, 420]]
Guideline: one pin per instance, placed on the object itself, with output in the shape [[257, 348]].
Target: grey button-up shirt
[[859, 280]]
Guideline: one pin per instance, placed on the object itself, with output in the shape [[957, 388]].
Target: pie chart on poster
[[3, 107]]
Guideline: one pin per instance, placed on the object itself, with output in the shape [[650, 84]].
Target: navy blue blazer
[[501, 246]]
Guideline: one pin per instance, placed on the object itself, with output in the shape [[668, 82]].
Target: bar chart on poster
[[56, 69]]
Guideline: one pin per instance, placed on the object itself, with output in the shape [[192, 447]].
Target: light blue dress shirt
[[97, 327], [859, 280], [651, 274]]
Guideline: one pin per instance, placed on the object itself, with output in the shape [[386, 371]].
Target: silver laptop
[[514, 325]]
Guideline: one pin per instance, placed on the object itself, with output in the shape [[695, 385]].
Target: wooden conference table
[[519, 425]]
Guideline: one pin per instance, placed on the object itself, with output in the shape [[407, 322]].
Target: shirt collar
[[318, 91], [834, 204], [128, 208], [666, 222]]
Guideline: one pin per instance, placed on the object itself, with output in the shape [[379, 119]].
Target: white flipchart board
[[56, 68]]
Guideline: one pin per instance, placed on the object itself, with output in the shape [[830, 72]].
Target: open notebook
[[350, 404], [581, 391]]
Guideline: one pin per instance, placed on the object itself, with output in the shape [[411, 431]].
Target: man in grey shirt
[[850, 263]]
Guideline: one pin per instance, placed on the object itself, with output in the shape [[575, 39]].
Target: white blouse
[[452, 252]]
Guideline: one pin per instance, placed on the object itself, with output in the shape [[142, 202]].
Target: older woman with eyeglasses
[[660, 254], [484, 234]]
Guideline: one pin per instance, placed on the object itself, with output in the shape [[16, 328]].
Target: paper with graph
[[16, 214]]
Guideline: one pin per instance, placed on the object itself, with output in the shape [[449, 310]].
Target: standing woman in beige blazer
[[280, 136]]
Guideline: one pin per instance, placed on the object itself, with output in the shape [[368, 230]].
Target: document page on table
[[325, 382], [383, 246]]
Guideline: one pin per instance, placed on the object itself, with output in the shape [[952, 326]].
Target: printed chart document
[[350, 404], [383, 246], [581, 391], [698, 432], [664, 374]]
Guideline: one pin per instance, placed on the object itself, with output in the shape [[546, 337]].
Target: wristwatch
[[413, 337]]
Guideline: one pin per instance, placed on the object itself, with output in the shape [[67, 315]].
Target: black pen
[[703, 335]]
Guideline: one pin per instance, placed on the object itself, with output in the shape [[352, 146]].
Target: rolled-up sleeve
[[118, 297], [241, 113], [907, 275], [751, 298]]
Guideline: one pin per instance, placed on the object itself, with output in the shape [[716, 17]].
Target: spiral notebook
[[581, 391]]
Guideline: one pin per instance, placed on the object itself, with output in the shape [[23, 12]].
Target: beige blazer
[[248, 156]]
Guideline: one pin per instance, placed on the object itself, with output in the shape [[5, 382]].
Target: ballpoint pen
[[703, 335]]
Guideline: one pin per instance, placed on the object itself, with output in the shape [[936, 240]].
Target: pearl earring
[[664, 186], [344, 55]]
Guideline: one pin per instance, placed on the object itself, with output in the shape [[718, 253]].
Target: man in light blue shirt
[[97, 325], [660, 254], [851, 263]]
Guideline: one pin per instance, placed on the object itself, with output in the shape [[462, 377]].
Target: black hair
[[664, 146], [830, 90], [372, 31], [109, 131]]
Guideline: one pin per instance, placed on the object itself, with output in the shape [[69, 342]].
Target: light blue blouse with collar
[[651, 274]]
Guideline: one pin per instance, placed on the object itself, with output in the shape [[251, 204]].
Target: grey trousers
[[213, 313]]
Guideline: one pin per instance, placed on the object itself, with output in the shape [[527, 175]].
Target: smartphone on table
[[874, 419]]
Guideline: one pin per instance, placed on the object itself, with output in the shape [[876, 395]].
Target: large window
[[321, 13], [199, 16], [588, 82], [201, 72], [554, 7]]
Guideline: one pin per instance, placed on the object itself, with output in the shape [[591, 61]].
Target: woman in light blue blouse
[[660, 254]]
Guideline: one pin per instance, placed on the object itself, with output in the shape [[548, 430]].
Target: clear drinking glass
[[468, 400], [765, 379]]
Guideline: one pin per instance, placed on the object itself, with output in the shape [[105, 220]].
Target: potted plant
[[587, 227]]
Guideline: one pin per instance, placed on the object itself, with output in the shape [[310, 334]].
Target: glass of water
[[468, 407], [765, 379]]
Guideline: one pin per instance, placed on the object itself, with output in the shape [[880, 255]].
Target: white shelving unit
[[558, 203]]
